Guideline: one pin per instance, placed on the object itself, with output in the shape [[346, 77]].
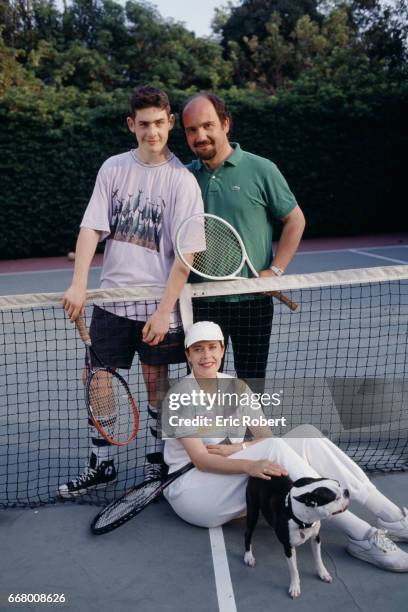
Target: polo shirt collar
[[236, 155], [232, 160]]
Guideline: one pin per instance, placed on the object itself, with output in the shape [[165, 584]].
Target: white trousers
[[209, 500]]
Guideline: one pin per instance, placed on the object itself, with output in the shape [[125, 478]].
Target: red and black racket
[[110, 404]]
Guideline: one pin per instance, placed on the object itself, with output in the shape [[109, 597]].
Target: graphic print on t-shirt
[[137, 219]]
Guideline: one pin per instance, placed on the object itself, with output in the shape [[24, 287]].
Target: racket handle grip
[[83, 330], [284, 299]]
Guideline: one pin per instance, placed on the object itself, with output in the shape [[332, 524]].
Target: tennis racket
[[110, 404], [219, 252], [132, 502]]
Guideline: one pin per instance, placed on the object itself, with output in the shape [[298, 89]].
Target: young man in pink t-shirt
[[139, 200]]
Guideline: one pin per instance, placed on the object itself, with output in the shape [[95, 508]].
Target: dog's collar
[[288, 506]]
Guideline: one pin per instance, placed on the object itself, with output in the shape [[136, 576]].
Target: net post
[[186, 306]]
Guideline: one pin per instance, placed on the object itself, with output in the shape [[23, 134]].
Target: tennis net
[[339, 362]]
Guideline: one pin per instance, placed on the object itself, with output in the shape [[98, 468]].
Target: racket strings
[[222, 255], [111, 406], [128, 505]]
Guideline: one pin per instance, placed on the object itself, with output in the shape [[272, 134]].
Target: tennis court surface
[[349, 325]]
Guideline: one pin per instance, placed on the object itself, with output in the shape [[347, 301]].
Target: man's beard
[[206, 154]]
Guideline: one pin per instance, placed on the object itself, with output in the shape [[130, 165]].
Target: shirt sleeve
[[171, 406], [280, 199], [98, 211], [188, 201]]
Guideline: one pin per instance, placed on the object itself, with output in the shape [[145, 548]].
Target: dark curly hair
[[145, 96]]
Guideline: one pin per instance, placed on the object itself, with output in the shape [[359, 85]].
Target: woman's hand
[[264, 469], [224, 450]]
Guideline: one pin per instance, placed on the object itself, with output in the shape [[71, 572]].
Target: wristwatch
[[276, 270]]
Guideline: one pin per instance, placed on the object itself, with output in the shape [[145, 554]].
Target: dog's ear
[[308, 499]]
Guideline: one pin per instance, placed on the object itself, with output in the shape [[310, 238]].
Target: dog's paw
[[294, 589], [249, 558], [324, 575]]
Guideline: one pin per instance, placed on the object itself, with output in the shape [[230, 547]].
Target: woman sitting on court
[[213, 492]]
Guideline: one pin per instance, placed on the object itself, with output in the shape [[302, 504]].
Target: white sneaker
[[379, 550], [397, 531]]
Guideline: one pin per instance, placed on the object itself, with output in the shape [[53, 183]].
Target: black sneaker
[[94, 477], [152, 472], [153, 467]]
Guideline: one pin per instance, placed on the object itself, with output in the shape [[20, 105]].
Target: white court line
[[345, 250], [225, 592], [359, 252]]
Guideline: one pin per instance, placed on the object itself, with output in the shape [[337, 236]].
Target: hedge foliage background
[[345, 163], [321, 93]]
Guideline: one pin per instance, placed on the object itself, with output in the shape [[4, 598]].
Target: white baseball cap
[[203, 330]]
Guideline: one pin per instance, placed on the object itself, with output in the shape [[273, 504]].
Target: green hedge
[[342, 158]]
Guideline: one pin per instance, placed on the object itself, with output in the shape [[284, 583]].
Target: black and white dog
[[294, 510]]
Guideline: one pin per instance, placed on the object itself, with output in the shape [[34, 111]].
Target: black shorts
[[248, 324], [117, 339]]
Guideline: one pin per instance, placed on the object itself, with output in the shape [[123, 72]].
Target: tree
[[383, 28], [270, 57], [26, 22], [252, 16], [257, 26], [12, 73], [101, 45], [273, 50]]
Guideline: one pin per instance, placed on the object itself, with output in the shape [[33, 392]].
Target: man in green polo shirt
[[248, 191]]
